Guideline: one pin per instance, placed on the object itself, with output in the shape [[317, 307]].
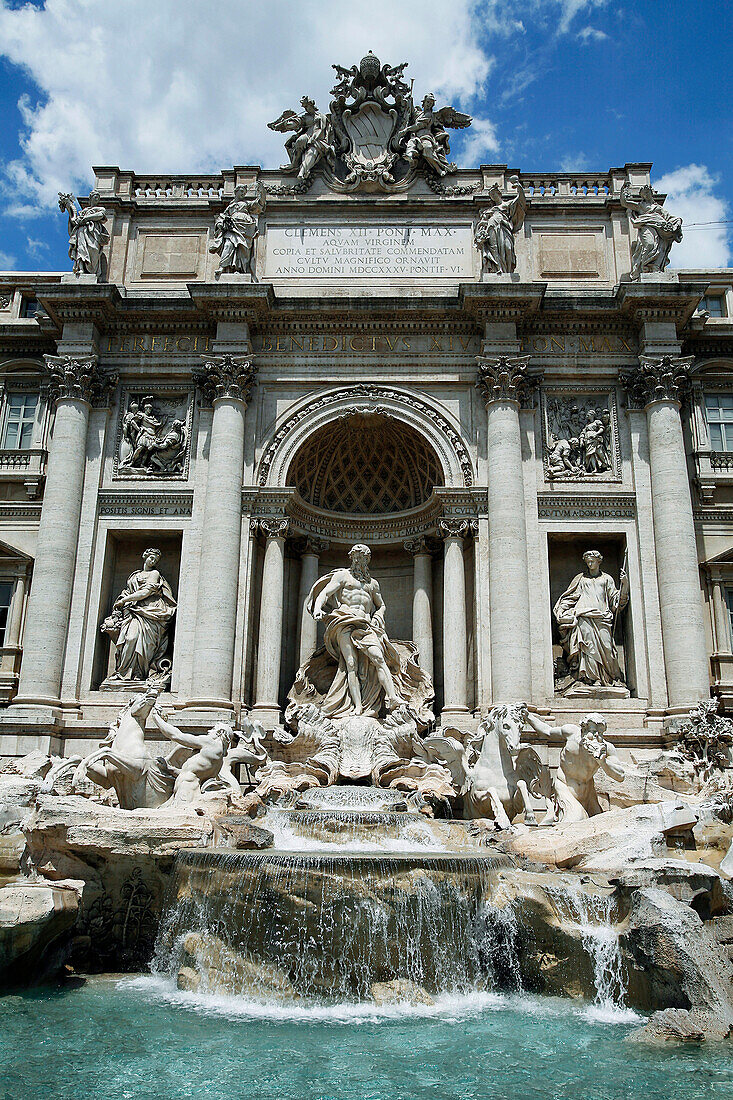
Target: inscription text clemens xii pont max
[[332, 251]]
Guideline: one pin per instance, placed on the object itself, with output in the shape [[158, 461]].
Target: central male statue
[[372, 672]]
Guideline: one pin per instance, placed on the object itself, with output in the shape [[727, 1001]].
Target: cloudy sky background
[[187, 86]]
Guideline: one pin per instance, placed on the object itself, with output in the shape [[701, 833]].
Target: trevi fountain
[[366, 718]]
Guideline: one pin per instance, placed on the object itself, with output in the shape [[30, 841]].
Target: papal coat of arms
[[373, 137]]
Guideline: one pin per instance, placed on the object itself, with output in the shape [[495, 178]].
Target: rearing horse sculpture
[[499, 772]]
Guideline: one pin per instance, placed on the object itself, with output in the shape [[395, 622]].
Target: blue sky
[[182, 85]]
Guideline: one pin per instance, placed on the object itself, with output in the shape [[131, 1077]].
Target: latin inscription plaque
[[370, 252]]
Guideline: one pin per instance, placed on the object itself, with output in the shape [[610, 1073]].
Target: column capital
[[273, 527], [457, 528], [502, 377], [657, 378], [226, 375], [78, 377], [309, 544], [421, 544]]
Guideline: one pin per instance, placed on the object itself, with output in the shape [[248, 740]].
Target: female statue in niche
[[586, 615], [139, 624]]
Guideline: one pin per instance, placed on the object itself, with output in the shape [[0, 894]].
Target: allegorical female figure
[[657, 230], [585, 614], [496, 228], [87, 234], [139, 623], [235, 230]]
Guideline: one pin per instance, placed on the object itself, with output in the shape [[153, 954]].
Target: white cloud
[[36, 248], [690, 195], [7, 262], [570, 8], [478, 141], [171, 87], [574, 162], [591, 34]]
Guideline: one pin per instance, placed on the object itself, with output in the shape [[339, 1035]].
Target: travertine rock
[[400, 990], [34, 917], [680, 1026]]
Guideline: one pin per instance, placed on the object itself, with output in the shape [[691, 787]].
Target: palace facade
[[258, 369]]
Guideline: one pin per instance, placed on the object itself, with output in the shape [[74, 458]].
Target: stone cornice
[[662, 300]]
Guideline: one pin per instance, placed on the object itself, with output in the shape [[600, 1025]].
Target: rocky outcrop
[[677, 1025], [36, 923]]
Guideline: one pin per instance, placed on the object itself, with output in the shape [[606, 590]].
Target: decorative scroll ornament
[[227, 376], [658, 378], [457, 528], [503, 378], [78, 377], [274, 527]]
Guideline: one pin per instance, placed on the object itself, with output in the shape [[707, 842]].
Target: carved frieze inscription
[[370, 251]]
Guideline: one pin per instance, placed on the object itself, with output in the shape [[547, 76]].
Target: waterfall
[[592, 915], [326, 925]]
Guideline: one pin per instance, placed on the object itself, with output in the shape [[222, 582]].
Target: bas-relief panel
[[153, 435], [564, 255], [170, 254], [580, 436]]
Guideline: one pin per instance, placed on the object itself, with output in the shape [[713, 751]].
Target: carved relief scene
[[154, 435], [580, 436]]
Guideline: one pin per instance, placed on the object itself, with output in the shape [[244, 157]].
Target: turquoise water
[[136, 1037]]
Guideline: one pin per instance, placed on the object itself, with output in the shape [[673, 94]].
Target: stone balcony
[[27, 467]]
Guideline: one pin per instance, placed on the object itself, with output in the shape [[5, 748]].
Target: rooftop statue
[[87, 234], [311, 138], [235, 231], [426, 138], [496, 228], [657, 230]]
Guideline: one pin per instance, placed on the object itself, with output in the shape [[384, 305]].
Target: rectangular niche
[[580, 441], [123, 557], [565, 555], [153, 434]]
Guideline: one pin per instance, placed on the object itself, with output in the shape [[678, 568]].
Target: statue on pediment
[[497, 226], [657, 230], [310, 141], [87, 234], [425, 137], [235, 231]]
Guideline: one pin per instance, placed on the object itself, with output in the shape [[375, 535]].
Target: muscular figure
[[205, 764], [585, 751], [355, 634]]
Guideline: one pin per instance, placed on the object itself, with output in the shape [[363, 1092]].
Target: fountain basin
[[352, 799]]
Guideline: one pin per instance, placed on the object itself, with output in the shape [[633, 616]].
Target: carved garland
[[375, 393]]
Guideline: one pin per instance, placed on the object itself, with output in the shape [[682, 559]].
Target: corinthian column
[[501, 382], [422, 601], [313, 548], [658, 384], [227, 380], [75, 382], [269, 646], [455, 640]]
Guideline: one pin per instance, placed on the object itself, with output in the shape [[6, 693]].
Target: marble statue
[[87, 234], [497, 226], [311, 139], [235, 231], [425, 137], [371, 674], [586, 616], [152, 442], [657, 230], [123, 762], [705, 740], [584, 752], [139, 624], [205, 765]]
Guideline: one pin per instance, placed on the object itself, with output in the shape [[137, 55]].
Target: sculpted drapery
[[139, 622], [585, 615]]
